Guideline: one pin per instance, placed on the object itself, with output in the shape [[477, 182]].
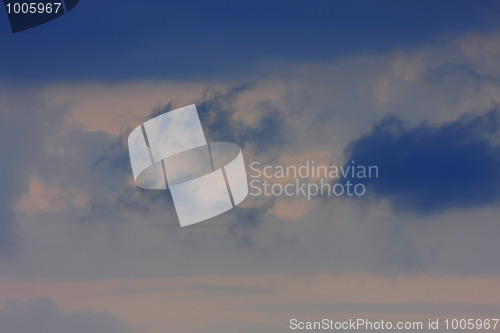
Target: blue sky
[[116, 40]]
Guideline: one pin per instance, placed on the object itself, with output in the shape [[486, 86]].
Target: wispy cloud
[[155, 305]]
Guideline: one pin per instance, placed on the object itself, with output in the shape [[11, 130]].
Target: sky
[[412, 87]]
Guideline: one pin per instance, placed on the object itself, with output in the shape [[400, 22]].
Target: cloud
[[42, 316], [221, 116], [70, 202], [307, 111], [22, 129], [114, 107], [44, 198], [426, 169]]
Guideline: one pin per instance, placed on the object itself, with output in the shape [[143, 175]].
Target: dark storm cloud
[[428, 169]]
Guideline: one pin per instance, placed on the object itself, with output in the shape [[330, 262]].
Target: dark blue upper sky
[[113, 40]]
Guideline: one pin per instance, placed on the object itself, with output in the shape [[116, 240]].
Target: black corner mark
[[26, 14], [70, 4]]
